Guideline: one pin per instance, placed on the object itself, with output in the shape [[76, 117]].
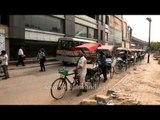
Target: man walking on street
[[20, 56]]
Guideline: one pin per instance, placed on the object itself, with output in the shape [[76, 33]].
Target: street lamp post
[[149, 19]]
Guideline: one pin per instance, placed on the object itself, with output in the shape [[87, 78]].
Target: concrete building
[[118, 34], [4, 38], [35, 31]]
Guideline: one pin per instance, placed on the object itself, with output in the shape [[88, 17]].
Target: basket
[[63, 72]]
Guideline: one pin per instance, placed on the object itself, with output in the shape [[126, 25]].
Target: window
[[80, 30], [42, 22], [106, 36], [91, 33], [101, 35], [107, 20], [95, 34], [68, 45], [65, 45], [102, 19]]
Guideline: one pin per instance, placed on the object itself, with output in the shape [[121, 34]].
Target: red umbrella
[[89, 46]]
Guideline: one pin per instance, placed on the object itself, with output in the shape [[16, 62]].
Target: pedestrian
[[4, 58], [41, 58], [103, 65], [135, 57], [82, 71], [21, 56], [42, 48]]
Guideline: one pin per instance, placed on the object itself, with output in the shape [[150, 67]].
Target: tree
[[155, 46]]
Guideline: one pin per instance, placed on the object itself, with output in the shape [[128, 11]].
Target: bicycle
[[120, 66], [60, 85]]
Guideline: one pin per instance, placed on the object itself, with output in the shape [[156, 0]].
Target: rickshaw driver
[[82, 71], [103, 65], [108, 60]]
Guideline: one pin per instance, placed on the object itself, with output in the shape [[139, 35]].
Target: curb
[[31, 66]]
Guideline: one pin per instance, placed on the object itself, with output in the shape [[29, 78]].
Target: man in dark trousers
[[103, 65], [42, 58], [20, 56]]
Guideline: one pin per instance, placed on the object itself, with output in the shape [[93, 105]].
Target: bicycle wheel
[[118, 68], [124, 67], [58, 88]]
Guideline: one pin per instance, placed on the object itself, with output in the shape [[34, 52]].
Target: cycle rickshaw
[[60, 85], [121, 60], [108, 50]]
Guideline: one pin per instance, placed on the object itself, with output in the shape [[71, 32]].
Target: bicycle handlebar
[[71, 73]]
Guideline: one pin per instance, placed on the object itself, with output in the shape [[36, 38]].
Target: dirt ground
[[140, 86]]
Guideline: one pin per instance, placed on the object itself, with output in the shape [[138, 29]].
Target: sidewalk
[[29, 63]]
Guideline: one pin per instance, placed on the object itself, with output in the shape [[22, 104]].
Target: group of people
[[104, 64], [82, 69], [41, 57], [4, 61]]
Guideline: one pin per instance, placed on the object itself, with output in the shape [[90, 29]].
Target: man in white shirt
[[82, 71], [4, 58], [20, 57]]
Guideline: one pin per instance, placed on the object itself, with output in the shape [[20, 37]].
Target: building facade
[[36, 31], [4, 38], [117, 31]]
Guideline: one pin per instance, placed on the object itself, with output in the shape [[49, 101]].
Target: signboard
[[2, 42]]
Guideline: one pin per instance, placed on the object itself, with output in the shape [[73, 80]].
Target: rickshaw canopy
[[132, 50], [120, 48], [89, 46], [106, 47]]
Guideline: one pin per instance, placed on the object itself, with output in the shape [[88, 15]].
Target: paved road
[[30, 87]]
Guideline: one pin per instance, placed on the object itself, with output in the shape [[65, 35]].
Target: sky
[[140, 26]]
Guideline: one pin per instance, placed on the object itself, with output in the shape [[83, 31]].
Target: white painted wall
[[39, 35]]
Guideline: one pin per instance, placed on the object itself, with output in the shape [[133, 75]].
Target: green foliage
[[155, 46]]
